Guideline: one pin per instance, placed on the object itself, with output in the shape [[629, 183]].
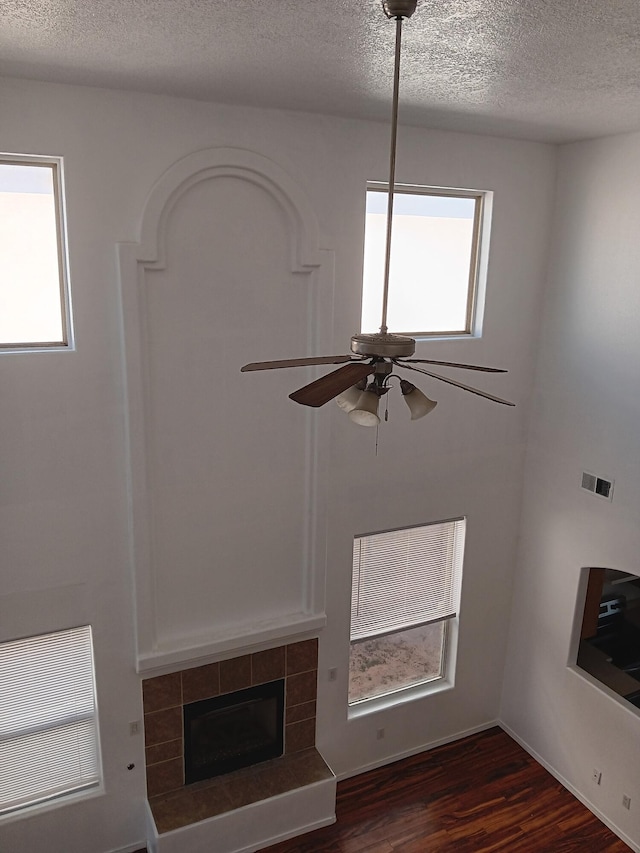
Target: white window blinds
[[48, 718], [405, 578]]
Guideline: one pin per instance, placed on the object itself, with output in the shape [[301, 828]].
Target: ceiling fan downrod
[[383, 343], [398, 9]]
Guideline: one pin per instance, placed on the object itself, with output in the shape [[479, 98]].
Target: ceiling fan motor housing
[[383, 345]]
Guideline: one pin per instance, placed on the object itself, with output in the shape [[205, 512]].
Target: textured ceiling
[[553, 70]]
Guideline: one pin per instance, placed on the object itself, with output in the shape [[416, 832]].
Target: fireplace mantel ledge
[[246, 639]]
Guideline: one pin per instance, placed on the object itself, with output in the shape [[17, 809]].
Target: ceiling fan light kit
[[374, 356], [348, 400], [419, 404], [365, 413]]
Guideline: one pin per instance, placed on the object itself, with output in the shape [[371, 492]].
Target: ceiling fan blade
[[296, 362], [457, 384], [453, 364], [327, 387]]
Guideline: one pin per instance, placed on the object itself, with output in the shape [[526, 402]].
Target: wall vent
[[597, 485]]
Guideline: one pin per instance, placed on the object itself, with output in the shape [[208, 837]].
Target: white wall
[[584, 416], [64, 500]]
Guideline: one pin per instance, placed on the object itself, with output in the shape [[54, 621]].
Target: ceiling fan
[[366, 373]]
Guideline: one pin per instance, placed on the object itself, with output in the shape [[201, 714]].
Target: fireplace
[[225, 733], [236, 804], [166, 696]]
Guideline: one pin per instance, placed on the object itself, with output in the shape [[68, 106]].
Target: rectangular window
[[435, 253], [405, 589], [34, 292], [48, 718]]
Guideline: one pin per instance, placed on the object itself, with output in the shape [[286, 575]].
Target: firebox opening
[[233, 731]]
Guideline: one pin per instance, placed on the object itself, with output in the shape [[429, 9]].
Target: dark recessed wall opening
[[610, 636], [236, 730]]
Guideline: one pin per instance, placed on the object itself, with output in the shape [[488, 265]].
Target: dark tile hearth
[[212, 797]]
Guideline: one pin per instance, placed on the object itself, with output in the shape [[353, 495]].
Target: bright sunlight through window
[[434, 269], [34, 302]]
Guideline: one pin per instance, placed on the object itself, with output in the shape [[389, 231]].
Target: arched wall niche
[[227, 494]]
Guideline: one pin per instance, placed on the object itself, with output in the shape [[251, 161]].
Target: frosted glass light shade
[[366, 411], [419, 404], [348, 400]]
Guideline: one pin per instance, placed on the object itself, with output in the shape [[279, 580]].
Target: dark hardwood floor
[[478, 795]]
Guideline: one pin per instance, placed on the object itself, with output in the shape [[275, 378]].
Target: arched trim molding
[[154, 652], [237, 163]]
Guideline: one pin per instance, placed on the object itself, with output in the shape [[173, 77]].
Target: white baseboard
[[285, 836], [425, 747], [572, 790]]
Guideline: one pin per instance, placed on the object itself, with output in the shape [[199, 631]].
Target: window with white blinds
[[405, 578], [48, 718]]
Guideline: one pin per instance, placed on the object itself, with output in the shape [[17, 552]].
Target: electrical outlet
[[333, 674], [626, 801], [597, 776], [379, 734], [134, 727]]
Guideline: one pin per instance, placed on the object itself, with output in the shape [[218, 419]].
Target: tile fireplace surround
[[176, 807]]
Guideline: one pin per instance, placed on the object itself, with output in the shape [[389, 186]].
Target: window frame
[[67, 343], [478, 260], [588, 657], [450, 622], [82, 786]]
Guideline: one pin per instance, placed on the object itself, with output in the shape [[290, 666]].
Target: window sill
[[400, 697], [70, 799], [427, 339], [35, 348]]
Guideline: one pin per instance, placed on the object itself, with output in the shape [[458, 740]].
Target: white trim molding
[[135, 259], [229, 163]]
